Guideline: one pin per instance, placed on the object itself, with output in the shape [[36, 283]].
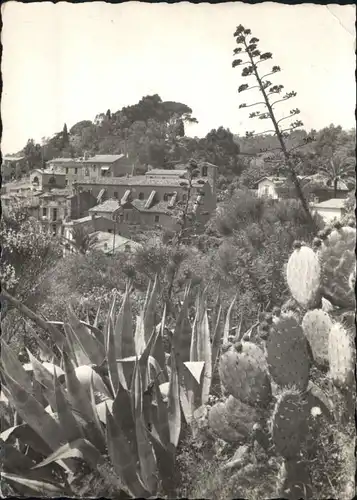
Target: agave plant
[[113, 399]]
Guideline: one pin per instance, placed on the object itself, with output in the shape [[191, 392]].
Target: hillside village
[[102, 193]]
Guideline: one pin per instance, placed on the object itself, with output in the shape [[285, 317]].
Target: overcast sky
[[68, 62]]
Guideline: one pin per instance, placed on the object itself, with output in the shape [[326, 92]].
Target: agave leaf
[[239, 330], [77, 394], [97, 333], [90, 345], [204, 353], [191, 382], [173, 407], [165, 463], [124, 462], [74, 349], [158, 351], [80, 448], [13, 460], [144, 358], [14, 368], [101, 409], [28, 487], [44, 378], [27, 436], [146, 456], [227, 325], [149, 314], [96, 319], [70, 427], [183, 331], [33, 413], [46, 352], [123, 334], [216, 338], [123, 417], [113, 367], [96, 417], [162, 420], [139, 334]]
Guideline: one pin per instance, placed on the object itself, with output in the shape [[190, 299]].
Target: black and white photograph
[[178, 250]]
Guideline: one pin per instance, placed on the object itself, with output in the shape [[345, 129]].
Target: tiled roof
[[107, 206], [138, 180], [159, 208], [333, 203], [61, 160], [56, 192], [163, 172], [13, 158], [104, 158], [105, 242], [48, 172]]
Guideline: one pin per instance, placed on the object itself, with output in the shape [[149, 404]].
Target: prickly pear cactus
[[294, 481], [243, 376], [289, 423], [219, 425], [341, 355], [243, 417], [303, 276], [316, 326], [338, 265], [288, 354]]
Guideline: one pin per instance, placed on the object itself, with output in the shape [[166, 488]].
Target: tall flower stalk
[[249, 46]]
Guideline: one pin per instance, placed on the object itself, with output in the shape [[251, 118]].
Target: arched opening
[[35, 181]]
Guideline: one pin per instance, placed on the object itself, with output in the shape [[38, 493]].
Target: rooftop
[[107, 206], [61, 160], [104, 158], [105, 242], [138, 180], [48, 172], [162, 207], [332, 203], [13, 158], [164, 172], [56, 192]]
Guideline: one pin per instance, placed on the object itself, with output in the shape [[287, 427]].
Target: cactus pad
[[289, 423], [288, 354], [316, 325], [243, 376], [218, 424], [242, 417], [303, 276], [295, 480], [341, 353], [338, 262]]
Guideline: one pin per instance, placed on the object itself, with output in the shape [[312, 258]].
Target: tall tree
[[339, 167]]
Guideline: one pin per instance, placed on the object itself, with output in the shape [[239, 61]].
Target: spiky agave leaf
[[183, 330], [33, 487], [14, 368], [173, 407], [204, 353], [113, 367], [70, 427], [74, 348], [150, 309], [191, 376], [122, 459], [123, 333], [227, 325], [33, 413], [90, 345], [157, 351], [146, 456]]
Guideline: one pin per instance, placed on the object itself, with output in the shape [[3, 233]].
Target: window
[[86, 172], [93, 168], [52, 180], [54, 230], [116, 194], [157, 218], [54, 214], [126, 215], [266, 190], [204, 171], [44, 212], [141, 196], [166, 197], [66, 170], [76, 171], [35, 180], [127, 248]]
